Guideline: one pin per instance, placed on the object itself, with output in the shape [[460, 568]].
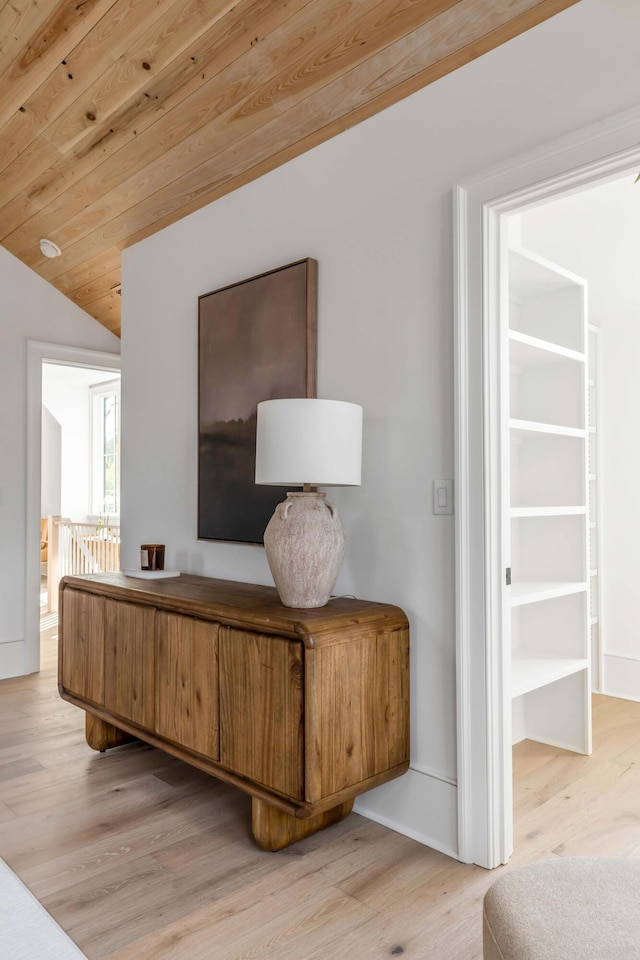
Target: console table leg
[[274, 829], [102, 735]]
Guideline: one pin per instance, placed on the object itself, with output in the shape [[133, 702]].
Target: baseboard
[[621, 677], [13, 659], [418, 805]]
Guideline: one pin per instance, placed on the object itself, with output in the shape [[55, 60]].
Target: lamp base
[[304, 542]]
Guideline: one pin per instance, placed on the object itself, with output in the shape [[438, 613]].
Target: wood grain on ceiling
[[119, 117]]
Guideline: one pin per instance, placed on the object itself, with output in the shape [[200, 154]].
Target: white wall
[[51, 469], [30, 309], [70, 405], [373, 206], [595, 234]]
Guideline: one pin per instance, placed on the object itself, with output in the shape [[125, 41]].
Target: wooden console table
[[302, 709]]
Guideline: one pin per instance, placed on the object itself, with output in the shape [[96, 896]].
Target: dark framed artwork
[[256, 341]]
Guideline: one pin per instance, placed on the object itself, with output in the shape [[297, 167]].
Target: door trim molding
[[37, 352], [605, 150]]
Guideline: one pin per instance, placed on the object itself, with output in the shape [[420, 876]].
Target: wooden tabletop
[[240, 604]]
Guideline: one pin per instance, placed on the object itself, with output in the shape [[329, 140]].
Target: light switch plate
[[443, 497]]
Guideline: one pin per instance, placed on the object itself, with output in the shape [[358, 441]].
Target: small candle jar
[[152, 556]]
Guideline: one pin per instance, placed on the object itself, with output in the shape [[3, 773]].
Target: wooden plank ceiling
[[118, 117]]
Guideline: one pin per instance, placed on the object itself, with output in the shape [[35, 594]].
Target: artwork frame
[[257, 340]]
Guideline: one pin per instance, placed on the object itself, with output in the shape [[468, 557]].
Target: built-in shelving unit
[[548, 505]]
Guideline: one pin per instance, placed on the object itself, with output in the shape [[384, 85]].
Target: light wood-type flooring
[[140, 857]]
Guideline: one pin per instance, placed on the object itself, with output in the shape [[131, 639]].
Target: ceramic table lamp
[[307, 443]]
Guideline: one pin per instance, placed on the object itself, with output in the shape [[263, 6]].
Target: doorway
[[484, 682], [69, 358], [79, 474], [593, 232], [571, 343]]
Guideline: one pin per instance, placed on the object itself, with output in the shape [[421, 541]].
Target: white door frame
[[37, 353], [603, 151]]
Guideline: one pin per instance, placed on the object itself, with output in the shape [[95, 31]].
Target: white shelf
[[527, 427], [527, 592], [526, 351], [531, 673], [548, 512], [531, 275]]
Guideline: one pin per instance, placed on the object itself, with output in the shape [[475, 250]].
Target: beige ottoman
[[572, 908]]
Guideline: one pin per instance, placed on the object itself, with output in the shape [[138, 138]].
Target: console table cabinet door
[[261, 709], [186, 684], [129, 661], [356, 718], [82, 662]]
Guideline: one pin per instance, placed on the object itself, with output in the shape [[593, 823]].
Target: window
[[105, 449]]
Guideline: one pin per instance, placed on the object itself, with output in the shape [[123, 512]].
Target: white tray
[[151, 574]]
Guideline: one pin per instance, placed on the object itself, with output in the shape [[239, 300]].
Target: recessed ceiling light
[[50, 249]]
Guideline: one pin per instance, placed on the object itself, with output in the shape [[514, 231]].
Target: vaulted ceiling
[[118, 117]]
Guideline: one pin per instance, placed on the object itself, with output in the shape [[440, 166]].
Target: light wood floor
[[140, 857]]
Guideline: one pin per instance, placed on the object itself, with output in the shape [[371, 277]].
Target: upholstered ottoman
[[572, 908]]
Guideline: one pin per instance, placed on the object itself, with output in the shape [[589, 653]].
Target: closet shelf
[[531, 673], [527, 427], [531, 275], [529, 351], [533, 592], [568, 511]]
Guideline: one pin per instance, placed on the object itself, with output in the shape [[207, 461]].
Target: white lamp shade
[[318, 442]]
